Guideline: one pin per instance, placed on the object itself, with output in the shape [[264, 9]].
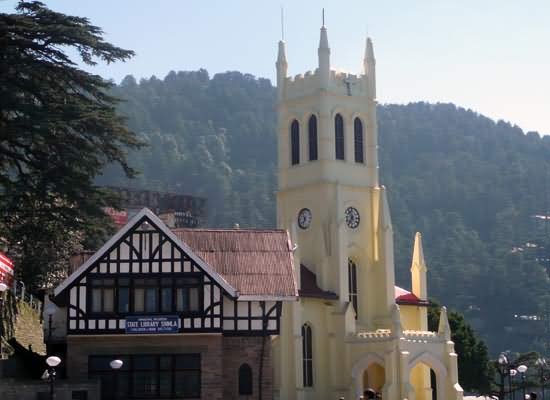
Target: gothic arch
[[436, 365], [312, 123], [295, 142], [364, 362], [361, 366], [430, 360], [308, 355]]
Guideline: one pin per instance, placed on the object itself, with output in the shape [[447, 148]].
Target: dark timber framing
[[146, 251]]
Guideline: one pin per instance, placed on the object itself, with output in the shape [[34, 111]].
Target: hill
[[469, 184]]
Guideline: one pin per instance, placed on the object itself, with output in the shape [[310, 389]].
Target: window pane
[[123, 384], [96, 300], [166, 294], [194, 301], [187, 384], [145, 384], [165, 384], [144, 362], [99, 363], [123, 282], [165, 362], [109, 282], [295, 142], [123, 300], [182, 303], [151, 300], [139, 299], [188, 361], [108, 299]]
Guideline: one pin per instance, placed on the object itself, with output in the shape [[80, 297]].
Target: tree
[[474, 370], [58, 129]]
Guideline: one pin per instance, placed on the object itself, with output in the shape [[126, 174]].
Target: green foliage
[[470, 185], [474, 369], [58, 129]]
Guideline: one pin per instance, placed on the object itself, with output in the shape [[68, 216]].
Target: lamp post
[[542, 364], [503, 368], [522, 369], [3, 288], [52, 362], [115, 366], [50, 310], [513, 372]]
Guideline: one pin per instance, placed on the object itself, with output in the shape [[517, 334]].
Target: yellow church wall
[[387, 346], [413, 317]]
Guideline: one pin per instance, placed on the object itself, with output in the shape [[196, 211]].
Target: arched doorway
[[425, 388], [374, 377], [369, 373], [427, 377]]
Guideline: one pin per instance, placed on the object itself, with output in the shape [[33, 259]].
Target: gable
[[144, 245]]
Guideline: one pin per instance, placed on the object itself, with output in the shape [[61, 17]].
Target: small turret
[[444, 328], [282, 67], [324, 58], [419, 269], [369, 65]]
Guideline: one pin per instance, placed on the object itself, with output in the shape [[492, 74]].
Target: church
[[306, 311], [352, 331]]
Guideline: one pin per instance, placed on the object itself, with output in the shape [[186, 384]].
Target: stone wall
[[209, 346], [240, 350], [11, 389], [221, 358]]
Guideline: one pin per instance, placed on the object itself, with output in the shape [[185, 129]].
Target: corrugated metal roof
[[255, 262]]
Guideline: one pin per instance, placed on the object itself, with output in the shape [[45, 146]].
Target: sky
[[492, 56]]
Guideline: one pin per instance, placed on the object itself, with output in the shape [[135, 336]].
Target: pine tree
[[58, 129]]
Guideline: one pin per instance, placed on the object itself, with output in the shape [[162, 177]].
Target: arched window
[[352, 284], [307, 356], [358, 130], [245, 380], [295, 142], [312, 136], [339, 136]]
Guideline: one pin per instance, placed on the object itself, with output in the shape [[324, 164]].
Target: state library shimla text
[[307, 311]]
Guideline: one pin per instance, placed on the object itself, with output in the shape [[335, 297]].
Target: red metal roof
[[404, 297], [255, 262]]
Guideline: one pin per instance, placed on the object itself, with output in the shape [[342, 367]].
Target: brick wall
[[240, 350], [209, 346], [11, 389]]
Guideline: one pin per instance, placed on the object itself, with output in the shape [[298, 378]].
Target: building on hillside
[[174, 209], [190, 312], [352, 330]]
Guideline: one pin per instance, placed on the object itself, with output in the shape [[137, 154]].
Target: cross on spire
[[348, 83]]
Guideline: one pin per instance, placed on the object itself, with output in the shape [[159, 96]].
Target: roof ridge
[[243, 230]]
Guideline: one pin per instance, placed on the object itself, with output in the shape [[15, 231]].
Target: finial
[[282, 24], [323, 16]]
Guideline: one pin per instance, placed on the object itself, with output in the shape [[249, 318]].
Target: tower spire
[[419, 269], [369, 65], [324, 55]]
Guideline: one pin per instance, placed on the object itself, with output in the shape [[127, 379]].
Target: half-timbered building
[[190, 312]]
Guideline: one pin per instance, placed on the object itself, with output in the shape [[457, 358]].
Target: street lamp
[[522, 369], [52, 362], [115, 366]]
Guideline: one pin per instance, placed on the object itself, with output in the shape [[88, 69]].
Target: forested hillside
[[470, 185]]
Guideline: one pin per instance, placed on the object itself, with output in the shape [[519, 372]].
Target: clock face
[[304, 218], [352, 217]]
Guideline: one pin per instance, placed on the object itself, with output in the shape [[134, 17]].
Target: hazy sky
[[490, 56]]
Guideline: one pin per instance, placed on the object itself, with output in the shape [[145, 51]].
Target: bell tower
[[329, 196]]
